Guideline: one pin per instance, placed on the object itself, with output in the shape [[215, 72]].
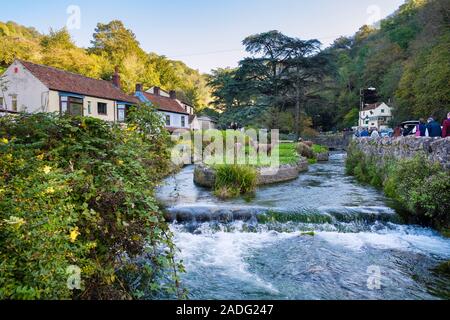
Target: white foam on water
[[405, 238], [226, 251]]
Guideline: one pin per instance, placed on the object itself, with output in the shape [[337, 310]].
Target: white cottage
[[375, 115], [175, 114], [33, 88]]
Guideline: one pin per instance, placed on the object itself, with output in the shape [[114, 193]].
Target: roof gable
[[59, 80], [374, 106], [164, 103]]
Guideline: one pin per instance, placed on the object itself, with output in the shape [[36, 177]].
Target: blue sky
[[205, 34]]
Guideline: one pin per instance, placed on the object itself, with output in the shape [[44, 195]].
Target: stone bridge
[[338, 141]]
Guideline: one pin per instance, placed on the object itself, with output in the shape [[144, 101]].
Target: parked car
[[409, 127]]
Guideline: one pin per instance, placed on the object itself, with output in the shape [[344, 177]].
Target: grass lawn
[[287, 155], [319, 149]]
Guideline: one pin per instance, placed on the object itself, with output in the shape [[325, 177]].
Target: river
[[331, 238]]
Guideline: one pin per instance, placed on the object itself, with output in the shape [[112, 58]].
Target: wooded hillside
[[407, 59], [112, 45], [283, 83]]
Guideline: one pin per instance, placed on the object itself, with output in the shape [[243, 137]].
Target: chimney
[[116, 78], [139, 87], [173, 94], [156, 91]]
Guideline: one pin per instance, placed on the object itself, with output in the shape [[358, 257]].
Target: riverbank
[[412, 171]]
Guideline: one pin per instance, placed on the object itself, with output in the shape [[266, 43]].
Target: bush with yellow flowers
[[77, 194]]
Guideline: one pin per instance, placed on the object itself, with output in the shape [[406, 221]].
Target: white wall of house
[[206, 123], [195, 124], [111, 115], [111, 112], [176, 120], [376, 118], [53, 102], [32, 95]]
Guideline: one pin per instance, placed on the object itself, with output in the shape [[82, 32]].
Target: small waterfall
[[228, 214]]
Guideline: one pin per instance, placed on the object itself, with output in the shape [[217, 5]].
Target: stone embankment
[[205, 176], [436, 149]]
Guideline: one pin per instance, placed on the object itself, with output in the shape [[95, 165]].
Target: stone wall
[[206, 176], [323, 157], [436, 149], [338, 141]]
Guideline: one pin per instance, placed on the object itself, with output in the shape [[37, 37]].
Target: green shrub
[[423, 188], [79, 192], [376, 174], [353, 158], [390, 184], [420, 187], [234, 180], [319, 149]]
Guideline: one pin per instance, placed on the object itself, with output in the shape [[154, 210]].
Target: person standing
[[398, 132], [446, 127], [422, 128], [434, 128], [375, 134], [364, 133]]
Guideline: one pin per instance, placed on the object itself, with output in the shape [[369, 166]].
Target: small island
[[233, 180]]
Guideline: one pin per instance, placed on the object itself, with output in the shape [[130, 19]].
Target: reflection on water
[[335, 231]]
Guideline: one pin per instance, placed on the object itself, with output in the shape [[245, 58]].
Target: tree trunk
[[297, 113]]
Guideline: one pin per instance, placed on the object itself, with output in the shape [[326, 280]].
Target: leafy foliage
[[419, 186], [406, 59], [319, 149], [234, 180], [79, 191], [276, 79]]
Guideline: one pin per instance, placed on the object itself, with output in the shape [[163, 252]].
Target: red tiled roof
[[369, 107], [60, 80], [165, 104]]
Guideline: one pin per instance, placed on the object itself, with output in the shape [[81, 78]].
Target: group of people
[[433, 129], [366, 133], [430, 128]]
